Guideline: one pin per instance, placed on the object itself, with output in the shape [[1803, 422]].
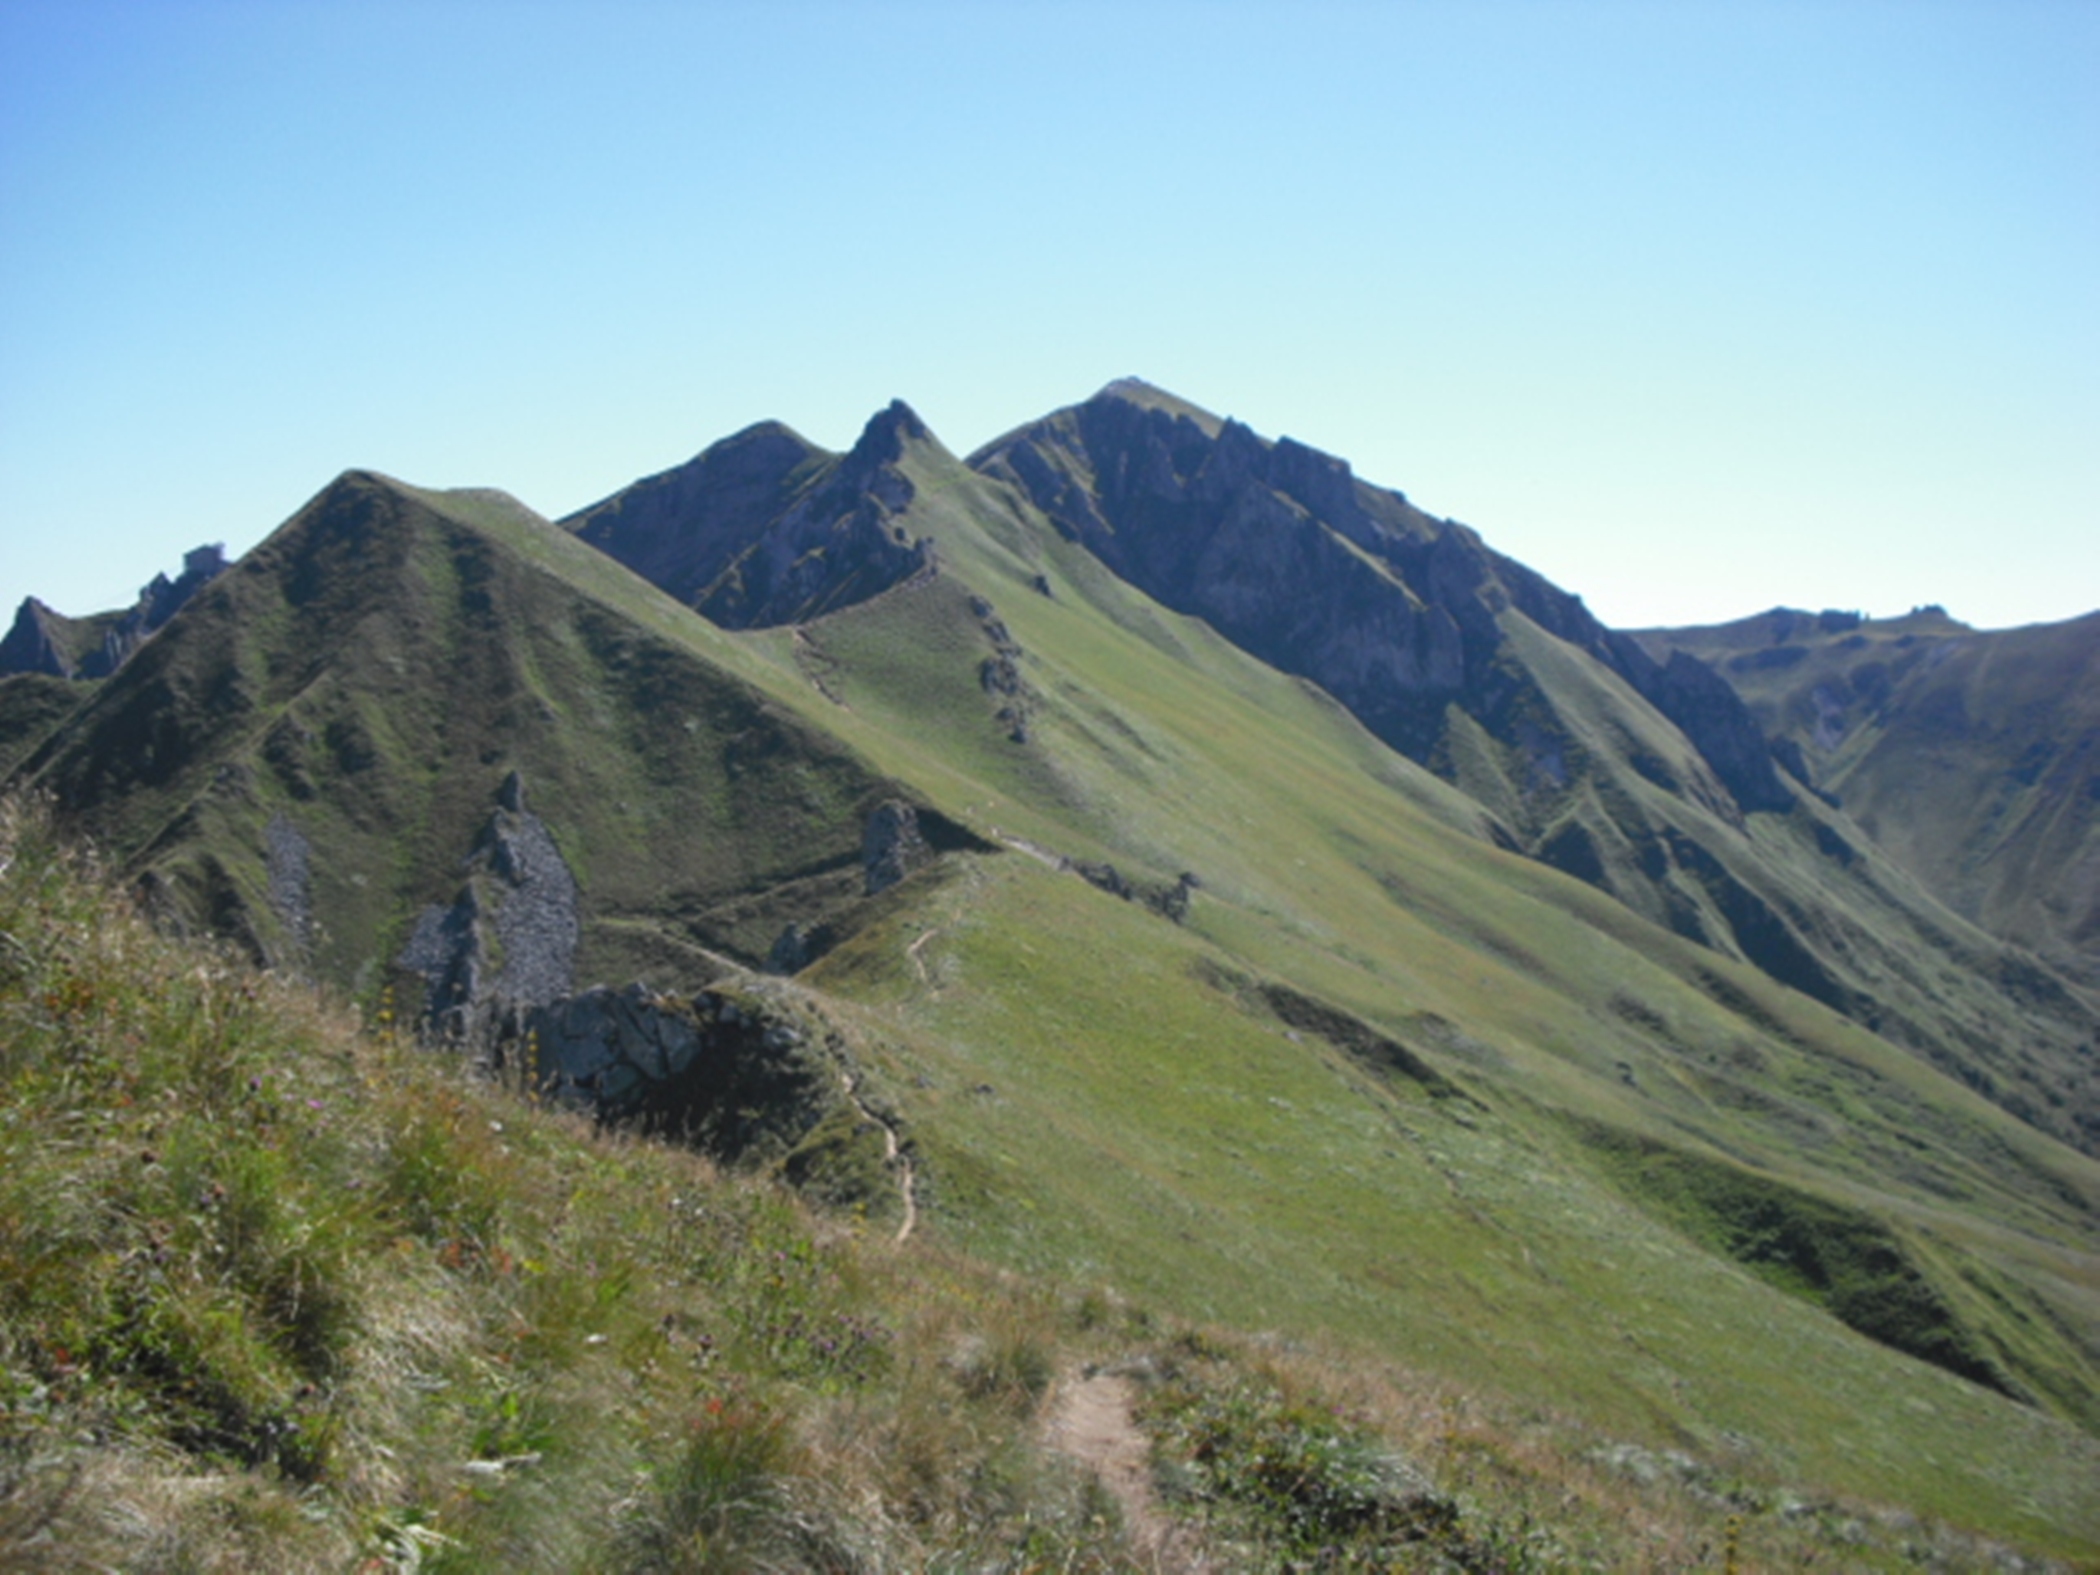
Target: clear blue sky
[[1697, 308]]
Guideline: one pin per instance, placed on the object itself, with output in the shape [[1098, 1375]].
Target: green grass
[[277, 1291], [383, 1308], [1098, 1111], [1957, 751], [1095, 1097]]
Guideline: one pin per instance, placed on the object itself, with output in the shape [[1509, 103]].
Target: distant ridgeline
[[43, 641]]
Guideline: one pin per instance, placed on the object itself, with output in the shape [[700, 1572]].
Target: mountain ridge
[[1190, 981], [43, 641], [770, 551]]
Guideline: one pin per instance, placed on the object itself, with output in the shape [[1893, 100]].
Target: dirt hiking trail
[[1089, 1420]]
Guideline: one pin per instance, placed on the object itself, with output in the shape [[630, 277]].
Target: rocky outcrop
[[288, 862], [508, 941], [1277, 545], [43, 641], [892, 846], [765, 528], [1170, 902], [741, 1077], [1000, 673]]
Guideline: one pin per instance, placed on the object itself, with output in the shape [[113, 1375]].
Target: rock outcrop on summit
[[765, 528]]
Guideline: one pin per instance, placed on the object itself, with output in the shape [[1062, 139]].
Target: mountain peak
[[882, 440], [1149, 396], [764, 528], [37, 643]]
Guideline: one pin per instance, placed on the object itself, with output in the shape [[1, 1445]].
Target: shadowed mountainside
[[764, 528]]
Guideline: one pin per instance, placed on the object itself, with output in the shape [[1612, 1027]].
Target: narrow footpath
[[893, 1155]]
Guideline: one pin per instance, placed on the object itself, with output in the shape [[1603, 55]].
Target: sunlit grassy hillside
[[280, 1292], [1205, 1004]]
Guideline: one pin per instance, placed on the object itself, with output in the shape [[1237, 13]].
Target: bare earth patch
[[1089, 1420]]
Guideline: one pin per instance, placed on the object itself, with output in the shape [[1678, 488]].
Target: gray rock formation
[[289, 862], [508, 941], [1170, 902], [892, 845], [740, 1077], [44, 641], [1000, 673]]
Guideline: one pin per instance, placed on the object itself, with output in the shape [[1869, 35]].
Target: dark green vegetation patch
[[1837, 1257]]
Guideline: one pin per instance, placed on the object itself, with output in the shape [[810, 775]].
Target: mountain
[[46, 658], [764, 528], [326, 756], [1644, 775], [1395, 613], [1174, 957], [1972, 758]]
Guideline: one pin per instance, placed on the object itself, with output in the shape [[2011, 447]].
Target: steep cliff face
[[765, 528], [1276, 545], [1398, 614]]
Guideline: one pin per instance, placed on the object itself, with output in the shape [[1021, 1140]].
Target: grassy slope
[[373, 673], [1810, 898], [1142, 1129], [1126, 1092], [31, 706], [275, 1293], [1130, 1088]]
